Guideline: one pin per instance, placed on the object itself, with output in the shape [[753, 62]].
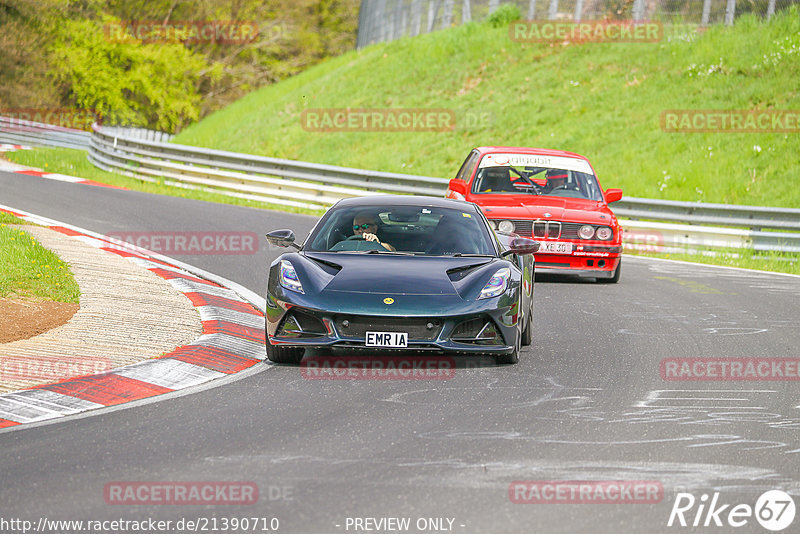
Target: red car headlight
[[586, 231], [604, 233], [506, 226]]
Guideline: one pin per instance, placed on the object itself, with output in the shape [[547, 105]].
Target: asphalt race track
[[586, 402]]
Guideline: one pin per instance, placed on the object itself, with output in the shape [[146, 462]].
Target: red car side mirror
[[458, 186], [612, 195]]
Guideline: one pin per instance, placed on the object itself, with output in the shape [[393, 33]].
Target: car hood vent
[[327, 266], [459, 273]]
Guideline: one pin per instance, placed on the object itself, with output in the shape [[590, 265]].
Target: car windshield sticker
[[467, 215], [532, 160]]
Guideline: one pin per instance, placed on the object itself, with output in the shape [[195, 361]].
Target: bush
[[504, 15]]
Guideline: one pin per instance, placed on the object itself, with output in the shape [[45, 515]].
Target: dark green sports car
[[401, 273]]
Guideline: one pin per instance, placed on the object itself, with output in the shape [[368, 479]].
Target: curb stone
[[232, 340]]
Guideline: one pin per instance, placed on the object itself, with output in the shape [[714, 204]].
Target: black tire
[[614, 279], [508, 359], [278, 354], [527, 334]]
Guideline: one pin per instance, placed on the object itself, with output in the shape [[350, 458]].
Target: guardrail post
[[433, 7], [399, 23], [730, 12], [416, 17], [638, 10], [447, 16], [770, 9], [493, 4], [531, 9], [466, 12], [578, 10], [706, 13], [552, 12]]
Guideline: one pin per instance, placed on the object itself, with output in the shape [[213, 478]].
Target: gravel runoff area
[[127, 314]]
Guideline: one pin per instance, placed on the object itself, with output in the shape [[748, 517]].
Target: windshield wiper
[[463, 255], [388, 252], [534, 187]]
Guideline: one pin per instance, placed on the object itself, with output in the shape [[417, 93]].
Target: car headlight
[[604, 233], [497, 284], [506, 226], [586, 231], [493, 224], [288, 277]]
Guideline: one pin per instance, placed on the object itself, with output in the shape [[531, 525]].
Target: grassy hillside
[[600, 100]]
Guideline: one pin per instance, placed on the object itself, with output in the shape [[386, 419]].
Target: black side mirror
[[522, 245], [282, 238]]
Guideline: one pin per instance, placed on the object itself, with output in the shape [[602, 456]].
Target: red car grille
[[545, 229]]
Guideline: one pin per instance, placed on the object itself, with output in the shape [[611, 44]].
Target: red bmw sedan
[[552, 196]]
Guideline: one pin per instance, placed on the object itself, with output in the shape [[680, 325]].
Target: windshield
[[402, 230], [536, 175]]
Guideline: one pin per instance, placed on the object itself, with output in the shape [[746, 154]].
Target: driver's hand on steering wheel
[[372, 237]]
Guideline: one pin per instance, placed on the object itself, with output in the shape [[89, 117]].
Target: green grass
[[29, 270], [602, 100], [7, 218], [74, 163]]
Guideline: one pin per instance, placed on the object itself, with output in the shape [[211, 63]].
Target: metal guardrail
[[753, 217], [144, 154], [17, 131], [648, 236], [283, 181]]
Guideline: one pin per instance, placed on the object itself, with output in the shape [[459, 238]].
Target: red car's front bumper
[[595, 261]]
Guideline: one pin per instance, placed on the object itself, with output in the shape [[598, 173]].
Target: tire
[[508, 359], [278, 354], [614, 279], [527, 334]]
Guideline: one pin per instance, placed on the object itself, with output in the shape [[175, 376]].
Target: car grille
[[416, 327], [546, 229]]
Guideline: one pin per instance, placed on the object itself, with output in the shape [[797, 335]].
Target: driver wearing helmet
[[556, 178]]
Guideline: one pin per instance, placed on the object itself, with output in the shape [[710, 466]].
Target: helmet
[[556, 178]]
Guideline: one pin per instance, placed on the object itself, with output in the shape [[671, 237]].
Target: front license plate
[[387, 339], [555, 247]]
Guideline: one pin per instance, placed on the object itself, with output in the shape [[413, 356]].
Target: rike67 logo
[[774, 510]]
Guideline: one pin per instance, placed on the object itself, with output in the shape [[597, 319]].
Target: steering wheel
[[355, 237], [565, 187]]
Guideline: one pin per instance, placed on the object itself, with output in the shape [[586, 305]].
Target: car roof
[[405, 200], [527, 150]]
